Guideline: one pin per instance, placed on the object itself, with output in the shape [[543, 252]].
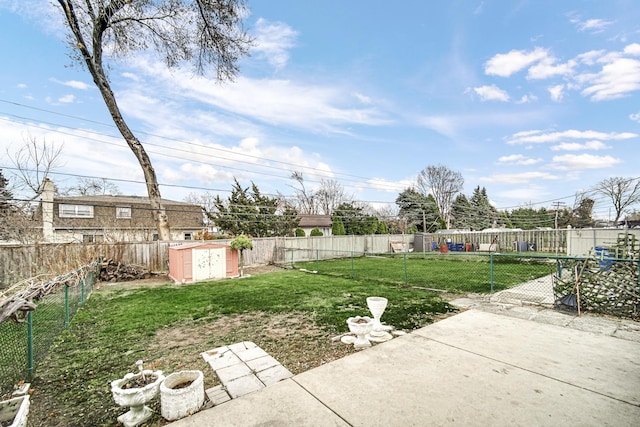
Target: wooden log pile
[[113, 271], [18, 300]]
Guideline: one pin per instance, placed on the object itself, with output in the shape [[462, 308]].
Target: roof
[[315, 221], [198, 245], [116, 200]]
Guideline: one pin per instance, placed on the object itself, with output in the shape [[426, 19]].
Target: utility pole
[[557, 208]]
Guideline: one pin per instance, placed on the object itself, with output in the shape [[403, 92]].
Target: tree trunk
[[153, 189], [93, 60]]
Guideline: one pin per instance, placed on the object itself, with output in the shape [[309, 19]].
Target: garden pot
[[379, 333], [177, 400], [136, 398], [361, 326], [15, 411]]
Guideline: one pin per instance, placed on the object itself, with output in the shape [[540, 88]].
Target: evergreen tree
[[337, 227], [418, 210], [483, 214], [382, 228], [462, 213], [355, 221], [252, 213]]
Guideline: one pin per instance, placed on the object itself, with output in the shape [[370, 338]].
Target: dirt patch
[[292, 338]]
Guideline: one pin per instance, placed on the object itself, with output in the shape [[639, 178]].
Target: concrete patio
[[474, 368]]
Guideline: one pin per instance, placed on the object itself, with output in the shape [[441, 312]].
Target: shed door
[[208, 264]]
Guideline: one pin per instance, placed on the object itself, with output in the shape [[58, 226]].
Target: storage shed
[[194, 262]]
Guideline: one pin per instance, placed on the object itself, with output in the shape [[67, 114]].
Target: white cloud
[[491, 93], [528, 192], [547, 68], [520, 178], [518, 159], [635, 117], [632, 49], [539, 137], [76, 84], [615, 80], [583, 161], [389, 186], [72, 83], [273, 41], [362, 98], [276, 102], [556, 92], [21, 86], [67, 99], [591, 57], [576, 146], [204, 173], [592, 25], [506, 64], [527, 99]]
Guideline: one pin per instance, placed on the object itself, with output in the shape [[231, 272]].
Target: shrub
[[300, 232], [316, 232]]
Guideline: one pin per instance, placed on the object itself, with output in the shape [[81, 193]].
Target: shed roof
[[315, 221]]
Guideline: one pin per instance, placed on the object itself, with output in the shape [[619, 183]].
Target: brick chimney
[[47, 210]]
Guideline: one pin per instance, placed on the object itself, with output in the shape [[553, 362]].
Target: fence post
[[30, 343], [353, 274], [317, 255], [82, 291], [405, 268], [559, 264], [66, 306], [491, 269]]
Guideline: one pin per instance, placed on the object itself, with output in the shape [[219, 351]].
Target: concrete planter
[[178, 402], [360, 326], [15, 411], [135, 398]]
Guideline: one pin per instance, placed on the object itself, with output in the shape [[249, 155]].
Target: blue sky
[[534, 100]]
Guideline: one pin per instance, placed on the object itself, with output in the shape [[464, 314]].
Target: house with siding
[[321, 222], [112, 218]]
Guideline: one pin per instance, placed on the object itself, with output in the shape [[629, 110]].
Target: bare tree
[[443, 184], [623, 193], [92, 187], [33, 163], [200, 32], [330, 195], [305, 200]]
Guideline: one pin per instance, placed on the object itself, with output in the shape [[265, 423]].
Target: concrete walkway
[[476, 368], [536, 291]]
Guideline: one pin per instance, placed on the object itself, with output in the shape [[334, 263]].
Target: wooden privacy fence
[[18, 262]]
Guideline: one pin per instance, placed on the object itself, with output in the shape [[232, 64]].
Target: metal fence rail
[[24, 344]]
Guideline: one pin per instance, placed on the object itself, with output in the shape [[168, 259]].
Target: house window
[[75, 211], [123, 212], [187, 236], [87, 238]]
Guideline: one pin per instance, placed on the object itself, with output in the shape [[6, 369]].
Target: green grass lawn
[[117, 327], [451, 272]]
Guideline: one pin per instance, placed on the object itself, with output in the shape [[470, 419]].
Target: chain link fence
[[599, 282], [27, 334]]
